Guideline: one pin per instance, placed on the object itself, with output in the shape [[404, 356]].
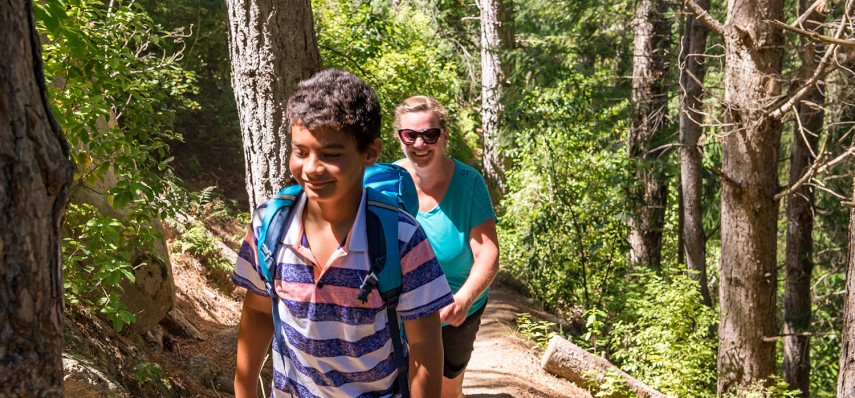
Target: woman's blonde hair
[[420, 103]]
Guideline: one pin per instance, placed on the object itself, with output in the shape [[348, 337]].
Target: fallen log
[[565, 359]]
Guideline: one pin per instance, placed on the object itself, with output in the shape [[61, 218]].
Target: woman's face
[[420, 152]]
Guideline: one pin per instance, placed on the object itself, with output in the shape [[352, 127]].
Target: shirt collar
[[356, 239]]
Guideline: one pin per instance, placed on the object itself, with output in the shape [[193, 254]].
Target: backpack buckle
[[368, 283]]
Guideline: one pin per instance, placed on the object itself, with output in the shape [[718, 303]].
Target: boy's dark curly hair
[[336, 99]]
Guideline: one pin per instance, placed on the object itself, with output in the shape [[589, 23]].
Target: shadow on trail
[[498, 382]]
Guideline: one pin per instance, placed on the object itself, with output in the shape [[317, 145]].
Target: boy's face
[[327, 163]]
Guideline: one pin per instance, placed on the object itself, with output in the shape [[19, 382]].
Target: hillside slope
[[503, 365]]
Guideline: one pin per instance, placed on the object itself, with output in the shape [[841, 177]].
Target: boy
[[332, 344]]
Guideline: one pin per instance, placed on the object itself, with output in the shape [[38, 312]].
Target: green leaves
[[661, 319], [110, 79], [97, 251], [398, 52]]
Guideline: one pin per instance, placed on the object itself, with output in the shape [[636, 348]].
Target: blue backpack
[[388, 189]]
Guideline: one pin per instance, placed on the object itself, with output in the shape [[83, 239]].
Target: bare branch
[[816, 168], [704, 17], [798, 94], [812, 35], [726, 178], [818, 5]]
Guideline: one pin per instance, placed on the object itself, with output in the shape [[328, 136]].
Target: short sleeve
[[425, 289], [482, 205], [246, 273]]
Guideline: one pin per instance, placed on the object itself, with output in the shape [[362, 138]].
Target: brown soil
[[503, 364]]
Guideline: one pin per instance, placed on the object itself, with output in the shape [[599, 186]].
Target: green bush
[[400, 53], [561, 229], [113, 89], [664, 336]]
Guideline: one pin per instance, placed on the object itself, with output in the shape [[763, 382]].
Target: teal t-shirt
[[465, 205]]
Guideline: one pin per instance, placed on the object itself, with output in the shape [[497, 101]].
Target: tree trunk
[[565, 359], [799, 251], [691, 170], [846, 378], [273, 48], [35, 171], [751, 140], [647, 131], [497, 35]]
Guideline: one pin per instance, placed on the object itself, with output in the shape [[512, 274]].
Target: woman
[[457, 215]]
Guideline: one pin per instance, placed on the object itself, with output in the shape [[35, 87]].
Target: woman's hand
[[455, 313]]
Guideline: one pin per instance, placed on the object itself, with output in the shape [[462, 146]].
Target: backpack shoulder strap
[[273, 225], [382, 226], [381, 223]]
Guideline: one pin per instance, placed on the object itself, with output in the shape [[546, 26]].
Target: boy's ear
[[372, 153]]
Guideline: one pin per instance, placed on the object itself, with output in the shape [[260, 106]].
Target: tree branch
[[813, 35], [726, 179], [791, 100], [819, 5], [816, 168], [704, 17]]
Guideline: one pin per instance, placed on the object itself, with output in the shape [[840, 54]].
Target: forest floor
[[503, 365]]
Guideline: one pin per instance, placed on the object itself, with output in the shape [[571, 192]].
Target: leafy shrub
[[112, 89], [400, 53], [198, 242], [665, 336], [561, 228], [147, 372], [539, 331], [776, 388], [97, 258]]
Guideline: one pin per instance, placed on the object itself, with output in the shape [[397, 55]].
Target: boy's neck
[[339, 213]]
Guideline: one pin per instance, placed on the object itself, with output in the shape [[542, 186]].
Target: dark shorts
[[458, 343]]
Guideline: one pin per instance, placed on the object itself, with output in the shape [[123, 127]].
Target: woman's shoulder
[[466, 171]]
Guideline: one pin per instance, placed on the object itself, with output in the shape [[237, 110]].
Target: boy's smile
[[327, 163]]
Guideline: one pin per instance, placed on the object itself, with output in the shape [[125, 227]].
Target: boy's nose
[[314, 165]]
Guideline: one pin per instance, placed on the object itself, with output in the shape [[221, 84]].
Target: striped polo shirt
[[332, 344]]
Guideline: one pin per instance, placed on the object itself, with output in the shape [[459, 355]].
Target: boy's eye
[[298, 152], [332, 155]]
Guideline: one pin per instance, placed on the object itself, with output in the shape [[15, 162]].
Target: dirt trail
[[503, 365]]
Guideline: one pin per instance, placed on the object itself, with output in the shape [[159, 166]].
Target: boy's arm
[[254, 337], [425, 338]]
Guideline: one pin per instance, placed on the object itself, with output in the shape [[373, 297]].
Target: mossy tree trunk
[[800, 213], [647, 131], [35, 171], [846, 378], [273, 47], [497, 37], [691, 169]]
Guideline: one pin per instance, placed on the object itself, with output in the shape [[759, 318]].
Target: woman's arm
[[254, 337], [485, 250]]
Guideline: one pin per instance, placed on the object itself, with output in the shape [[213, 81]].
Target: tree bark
[[691, 170], [497, 35], [273, 47], [751, 140], [647, 129], [800, 206], [35, 170], [565, 359], [846, 378]]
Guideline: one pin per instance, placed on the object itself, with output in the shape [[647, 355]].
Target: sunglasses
[[429, 136]]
